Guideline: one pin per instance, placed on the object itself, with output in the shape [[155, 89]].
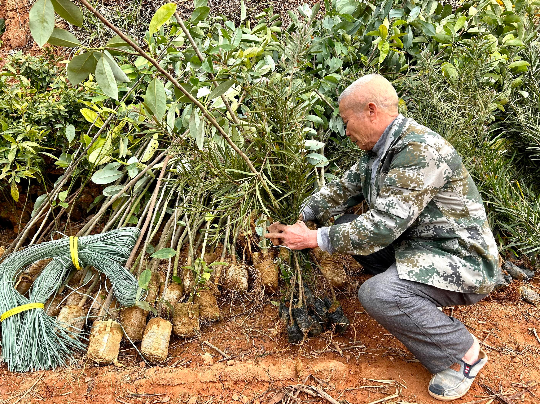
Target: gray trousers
[[409, 311]]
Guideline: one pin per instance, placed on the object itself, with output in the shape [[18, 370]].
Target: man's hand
[[295, 237]]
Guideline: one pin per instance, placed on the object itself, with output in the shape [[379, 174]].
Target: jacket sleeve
[[417, 172], [336, 196]]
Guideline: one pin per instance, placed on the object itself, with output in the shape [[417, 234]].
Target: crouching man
[[425, 237]]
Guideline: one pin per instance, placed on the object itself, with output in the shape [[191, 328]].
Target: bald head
[[371, 88], [367, 107]]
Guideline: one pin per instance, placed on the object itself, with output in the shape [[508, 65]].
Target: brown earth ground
[[365, 365]]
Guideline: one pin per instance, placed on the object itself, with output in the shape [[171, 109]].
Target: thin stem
[[98, 215], [149, 216], [201, 58]]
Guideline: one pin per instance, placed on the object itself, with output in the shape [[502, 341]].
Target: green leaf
[[119, 74], [68, 11], [41, 21], [105, 78], [514, 42], [164, 253], [315, 119], [384, 48], [519, 66], [333, 78], [100, 151], [220, 89], [442, 38], [161, 16], [112, 190], [196, 128], [14, 191], [312, 144], [177, 279], [155, 98], [106, 175], [508, 4], [70, 132], [80, 67], [460, 23], [428, 28], [150, 149], [199, 14], [450, 71], [62, 195], [141, 304], [414, 13], [171, 118], [243, 11], [316, 159], [61, 37], [91, 116], [383, 31], [117, 42]]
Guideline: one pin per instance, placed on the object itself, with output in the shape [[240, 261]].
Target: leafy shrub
[[39, 111]]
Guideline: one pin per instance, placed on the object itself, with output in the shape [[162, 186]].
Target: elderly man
[[425, 237]]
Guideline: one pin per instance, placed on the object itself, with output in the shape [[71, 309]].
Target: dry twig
[[30, 389], [215, 348]]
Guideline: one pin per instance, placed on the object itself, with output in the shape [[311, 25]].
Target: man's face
[[359, 127]]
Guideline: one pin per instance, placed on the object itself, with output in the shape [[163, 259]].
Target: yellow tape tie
[[74, 251], [20, 309]]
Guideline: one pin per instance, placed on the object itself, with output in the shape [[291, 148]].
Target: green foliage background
[[470, 72]]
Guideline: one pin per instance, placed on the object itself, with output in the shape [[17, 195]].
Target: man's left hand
[[296, 237]]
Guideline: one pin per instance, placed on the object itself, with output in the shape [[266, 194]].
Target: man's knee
[[375, 297]]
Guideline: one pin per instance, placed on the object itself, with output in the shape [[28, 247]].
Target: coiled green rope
[[32, 340]]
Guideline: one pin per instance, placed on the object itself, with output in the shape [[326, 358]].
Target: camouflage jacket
[[424, 201]]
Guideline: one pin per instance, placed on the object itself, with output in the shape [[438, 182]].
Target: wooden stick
[[215, 348], [382, 400]]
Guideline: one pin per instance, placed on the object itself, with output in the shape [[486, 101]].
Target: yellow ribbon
[[74, 251], [20, 309]]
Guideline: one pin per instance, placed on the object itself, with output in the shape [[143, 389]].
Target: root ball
[[133, 321], [186, 319], [155, 342], [208, 307], [267, 269], [104, 344]]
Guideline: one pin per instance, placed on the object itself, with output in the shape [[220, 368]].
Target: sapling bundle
[[31, 339]]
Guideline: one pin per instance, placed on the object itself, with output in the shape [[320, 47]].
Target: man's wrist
[[323, 239]]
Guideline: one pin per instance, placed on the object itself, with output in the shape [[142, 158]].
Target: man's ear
[[372, 109]]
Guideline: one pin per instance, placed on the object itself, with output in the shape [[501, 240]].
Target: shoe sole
[[446, 398]]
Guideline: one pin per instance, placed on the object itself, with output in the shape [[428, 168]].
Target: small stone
[[530, 295], [193, 400], [517, 272], [208, 359], [230, 362], [235, 397]]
